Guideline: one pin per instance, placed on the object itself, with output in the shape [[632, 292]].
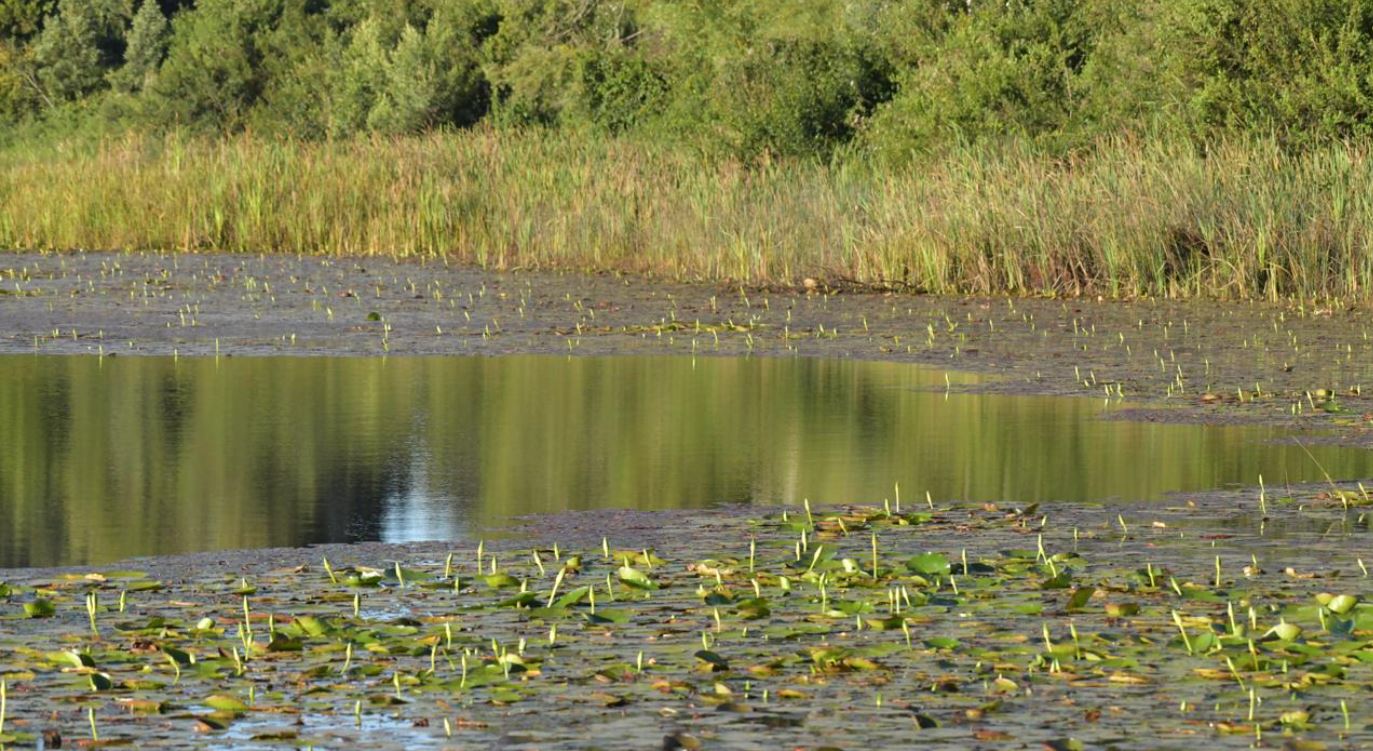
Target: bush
[[734, 79]]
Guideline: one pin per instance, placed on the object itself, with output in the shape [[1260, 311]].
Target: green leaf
[[283, 643], [572, 598], [606, 615], [39, 608], [1062, 581], [635, 578], [930, 564], [363, 577], [225, 703], [71, 658], [1121, 609], [308, 625], [501, 581], [1342, 604], [1080, 597], [716, 662]]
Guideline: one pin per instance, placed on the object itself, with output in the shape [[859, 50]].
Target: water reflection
[[134, 456]]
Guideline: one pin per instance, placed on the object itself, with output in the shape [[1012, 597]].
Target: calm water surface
[[134, 456]]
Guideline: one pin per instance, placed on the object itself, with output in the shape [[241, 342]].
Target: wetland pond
[[102, 459]]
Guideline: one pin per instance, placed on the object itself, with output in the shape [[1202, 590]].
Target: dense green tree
[[216, 69], [78, 47], [771, 77], [732, 78], [1299, 68], [21, 19], [146, 45]]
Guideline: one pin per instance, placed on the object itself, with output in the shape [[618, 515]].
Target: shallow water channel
[[105, 459]]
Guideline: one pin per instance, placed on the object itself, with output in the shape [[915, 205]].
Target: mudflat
[[1301, 365]]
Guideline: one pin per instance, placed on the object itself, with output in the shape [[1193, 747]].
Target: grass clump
[[1246, 219]]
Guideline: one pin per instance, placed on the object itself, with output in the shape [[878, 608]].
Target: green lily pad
[[635, 578], [930, 564], [39, 608]]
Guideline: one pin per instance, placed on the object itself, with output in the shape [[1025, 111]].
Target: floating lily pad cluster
[[854, 627]]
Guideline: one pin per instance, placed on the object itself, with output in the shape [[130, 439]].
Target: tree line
[[745, 79]]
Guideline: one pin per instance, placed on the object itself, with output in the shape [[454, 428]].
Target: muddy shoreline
[[1301, 367]]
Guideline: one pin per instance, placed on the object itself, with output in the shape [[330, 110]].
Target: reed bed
[[1241, 219]]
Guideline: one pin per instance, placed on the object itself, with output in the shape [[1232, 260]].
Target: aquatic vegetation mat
[[847, 627]]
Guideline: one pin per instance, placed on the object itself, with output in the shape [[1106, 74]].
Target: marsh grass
[[1131, 217]]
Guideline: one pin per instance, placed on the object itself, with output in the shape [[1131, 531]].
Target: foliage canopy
[[808, 78]]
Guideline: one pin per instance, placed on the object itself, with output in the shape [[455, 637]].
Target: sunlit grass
[[1129, 218]]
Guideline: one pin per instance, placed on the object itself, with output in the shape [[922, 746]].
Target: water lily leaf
[[180, 656], [1204, 642], [1121, 609], [71, 658], [283, 643], [930, 564], [100, 681], [225, 703], [1080, 597], [362, 577], [635, 578], [753, 608], [1283, 632], [143, 706], [412, 575], [942, 642], [1004, 685], [124, 574], [1295, 718], [309, 625], [717, 597], [852, 607], [716, 662], [276, 735], [1063, 580], [39, 608], [607, 615], [572, 598], [890, 623], [209, 724], [500, 581], [1342, 604], [521, 600], [860, 663]]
